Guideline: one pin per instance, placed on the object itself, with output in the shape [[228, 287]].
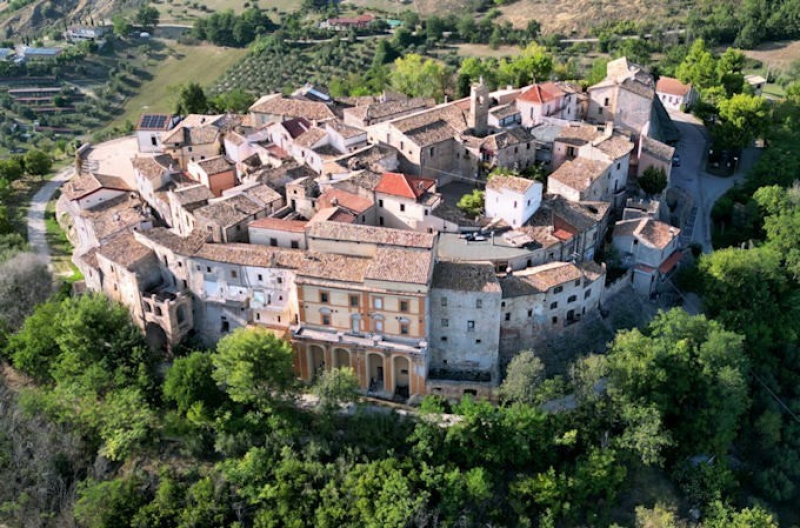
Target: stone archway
[[316, 361], [376, 372], [401, 376], [342, 358]]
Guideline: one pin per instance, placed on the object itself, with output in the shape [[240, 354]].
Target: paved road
[[37, 230], [691, 177]]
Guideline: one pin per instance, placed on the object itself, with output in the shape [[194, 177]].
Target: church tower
[[479, 108]]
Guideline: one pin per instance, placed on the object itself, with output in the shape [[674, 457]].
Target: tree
[[336, 386], [34, 349], [659, 516], [533, 64], [691, 372], [253, 366], [235, 101], [653, 181], [37, 163], [190, 382], [191, 100], [147, 16], [472, 204], [419, 78], [121, 26], [745, 117], [723, 516], [731, 61], [782, 224], [10, 169], [25, 281], [748, 291], [699, 67], [524, 374]]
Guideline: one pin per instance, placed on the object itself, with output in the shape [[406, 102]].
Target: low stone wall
[[455, 390], [617, 286]]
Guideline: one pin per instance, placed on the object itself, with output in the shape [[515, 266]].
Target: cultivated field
[[202, 64], [186, 11], [776, 55]]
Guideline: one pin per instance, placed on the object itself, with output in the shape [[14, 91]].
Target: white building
[[512, 199], [674, 94], [648, 246]]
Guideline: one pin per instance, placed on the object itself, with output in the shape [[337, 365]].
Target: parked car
[[676, 160]]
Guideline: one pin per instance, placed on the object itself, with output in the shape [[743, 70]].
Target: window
[[508, 316], [258, 316], [380, 203], [402, 208], [226, 326], [478, 341], [403, 328], [280, 280], [234, 274], [530, 312], [260, 277], [444, 301], [553, 305], [618, 165], [323, 297], [529, 203], [470, 326], [571, 152], [404, 306], [326, 319], [208, 269], [600, 110], [577, 282], [478, 303], [445, 323], [558, 289], [515, 204], [379, 325], [355, 325], [444, 338], [555, 320], [377, 303], [605, 103], [185, 284], [426, 212], [528, 146], [587, 294], [402, 145], [380, 221], [354, 301], [431, 152], [572, 298], [295, 244], [273, 242]]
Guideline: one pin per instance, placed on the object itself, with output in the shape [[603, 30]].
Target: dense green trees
[[191, 100], [229, 29], [653, 181], [523, 374], [472, 203], [418, 77]]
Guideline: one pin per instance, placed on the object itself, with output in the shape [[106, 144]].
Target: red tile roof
[[404, 186], [297, 126], [542, 93], [345, 200], [671, 86]]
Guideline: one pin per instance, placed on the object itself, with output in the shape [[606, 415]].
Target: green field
[[180, 11], [203, 64]]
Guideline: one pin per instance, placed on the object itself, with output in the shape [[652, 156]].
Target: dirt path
[[37, 229]]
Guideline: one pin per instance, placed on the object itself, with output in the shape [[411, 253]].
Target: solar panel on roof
[[154, 120]]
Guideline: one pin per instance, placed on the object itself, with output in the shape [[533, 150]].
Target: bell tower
[[479, 108]]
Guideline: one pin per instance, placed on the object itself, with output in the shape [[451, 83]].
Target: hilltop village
[[333, 223]]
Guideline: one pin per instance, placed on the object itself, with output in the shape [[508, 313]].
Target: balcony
[[300, 332]]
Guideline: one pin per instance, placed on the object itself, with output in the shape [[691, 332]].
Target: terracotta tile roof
[[469, 277], [228, 212], [655, 233], [578, 134], [185, 135], [251, 255], [126, 251], [506, 138], [580, 173], [542, 93], [404, 186], [400, 265], [279, 224], [192, 194], [540, 279], [433, 126], [382, 111], [340, 215], [346, 131], [235, 138], [311, 137], [515, 184], [671, 86], [333, 267], [616, 146], [86, 184], [352, 202], [153, 166], [371, 235], [657, 149], [277, 104], [503, 111], [263, 194], [115, 216], [163, 237], [215, 165]]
